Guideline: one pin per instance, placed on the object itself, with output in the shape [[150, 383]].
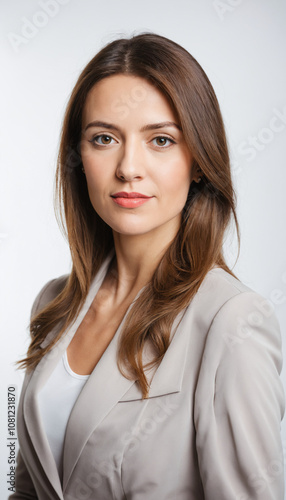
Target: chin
[[129, 225], [131, 231]]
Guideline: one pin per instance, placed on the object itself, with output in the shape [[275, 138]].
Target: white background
[[240, 44]]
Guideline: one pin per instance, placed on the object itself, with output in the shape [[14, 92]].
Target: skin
[[155, 162]]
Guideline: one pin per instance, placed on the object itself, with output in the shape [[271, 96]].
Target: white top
[[56, 400]]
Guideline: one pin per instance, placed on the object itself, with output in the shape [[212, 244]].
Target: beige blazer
[[210, 430]]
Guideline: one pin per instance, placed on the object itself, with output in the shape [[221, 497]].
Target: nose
[[130, 163]]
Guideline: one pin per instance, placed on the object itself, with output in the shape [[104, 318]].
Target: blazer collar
[[100, 400]]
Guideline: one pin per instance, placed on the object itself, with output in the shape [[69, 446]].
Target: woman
[[153, 372]]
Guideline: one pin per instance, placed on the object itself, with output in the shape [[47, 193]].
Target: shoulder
[[220, 280], [233, 297], [241, 326], [48, 293], [234, 319], [222, 294], [225, 293]]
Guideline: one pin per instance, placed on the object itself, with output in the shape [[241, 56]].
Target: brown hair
[[197, 246]]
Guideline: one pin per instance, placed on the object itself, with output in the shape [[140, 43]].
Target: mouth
[[130, 200]]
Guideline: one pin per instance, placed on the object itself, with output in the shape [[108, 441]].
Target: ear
[[197, 173]]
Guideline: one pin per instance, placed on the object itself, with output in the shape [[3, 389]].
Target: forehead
[[121, 96]]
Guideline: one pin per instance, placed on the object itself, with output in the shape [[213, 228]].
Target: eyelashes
[[163, 138], [97, 140], [103, 140]]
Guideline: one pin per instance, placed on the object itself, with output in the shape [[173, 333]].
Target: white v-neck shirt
[[56, 400]]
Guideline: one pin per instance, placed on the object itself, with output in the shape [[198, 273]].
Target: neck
[[137, 257]]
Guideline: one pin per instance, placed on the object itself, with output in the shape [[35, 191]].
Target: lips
[[124, 194], [130, 200]]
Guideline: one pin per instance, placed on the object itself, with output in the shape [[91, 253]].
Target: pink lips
[[130, 200]]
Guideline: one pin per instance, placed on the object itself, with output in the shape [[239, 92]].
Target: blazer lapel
[[168, 377], [39, 377]]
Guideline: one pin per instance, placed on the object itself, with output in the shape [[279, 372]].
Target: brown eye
[[103, 140], [162, 141]]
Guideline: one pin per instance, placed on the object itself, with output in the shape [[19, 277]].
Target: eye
[[102, 140], [162, 141]]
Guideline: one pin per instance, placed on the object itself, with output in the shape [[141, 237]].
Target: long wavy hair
[[210, 206]]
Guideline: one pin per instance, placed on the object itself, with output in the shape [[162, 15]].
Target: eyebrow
[[151, 126]]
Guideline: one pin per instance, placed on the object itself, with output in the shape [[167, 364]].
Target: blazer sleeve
[[239, 403]]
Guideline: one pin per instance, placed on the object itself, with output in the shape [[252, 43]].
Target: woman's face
[[136, 162]]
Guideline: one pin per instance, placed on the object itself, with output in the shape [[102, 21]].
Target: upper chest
[[93, 336]]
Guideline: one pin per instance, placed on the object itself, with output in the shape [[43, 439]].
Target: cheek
[[95, 173], [176, 180], [95, 187]]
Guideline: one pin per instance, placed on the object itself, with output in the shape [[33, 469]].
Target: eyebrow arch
[[151, 126]]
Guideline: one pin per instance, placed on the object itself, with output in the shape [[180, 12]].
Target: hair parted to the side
[[210, 206]]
